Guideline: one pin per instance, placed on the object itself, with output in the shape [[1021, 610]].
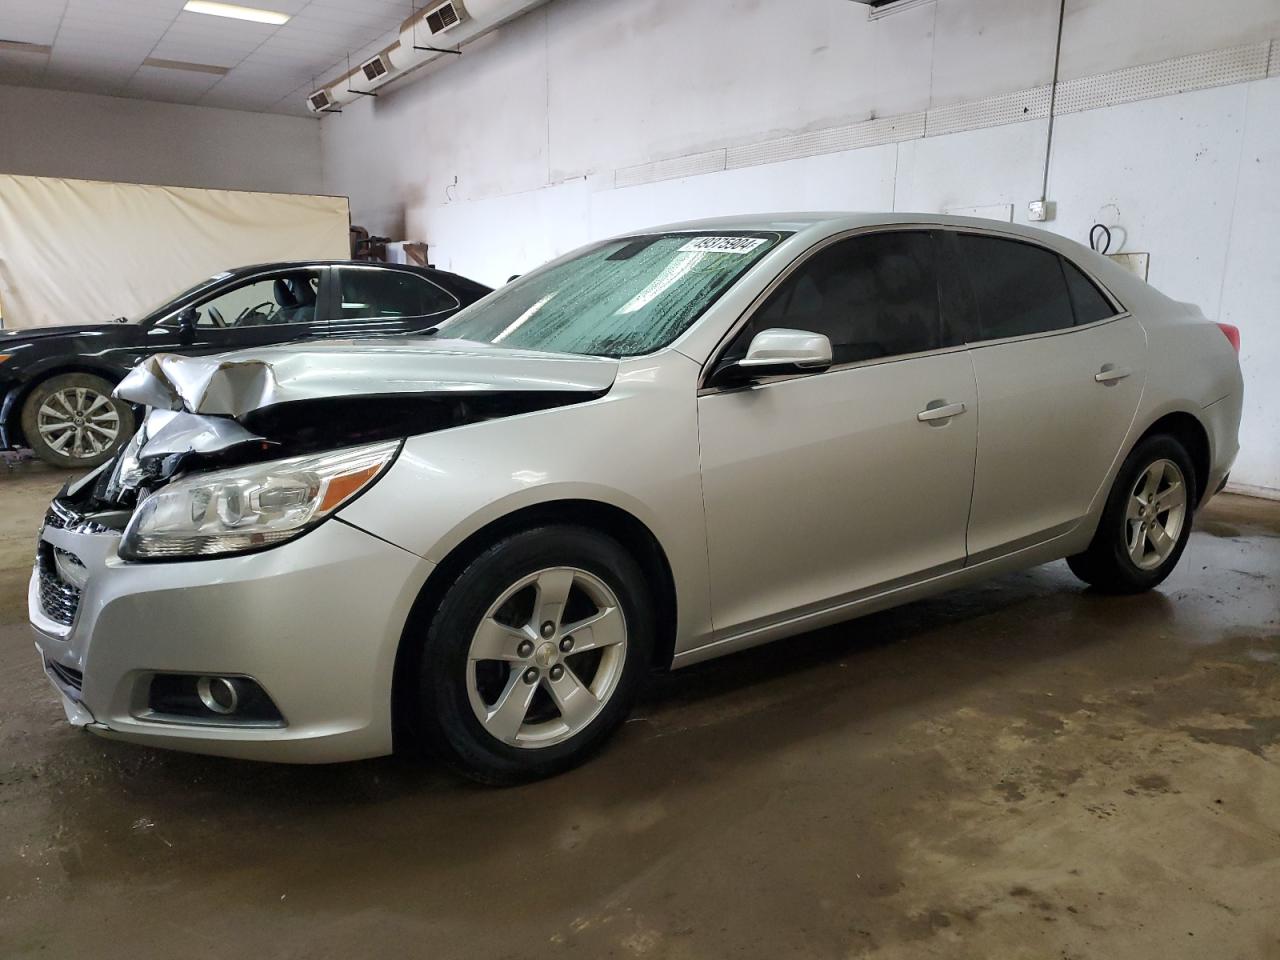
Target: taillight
[[1232, 334]]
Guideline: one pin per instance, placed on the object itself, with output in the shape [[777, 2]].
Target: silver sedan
[[656, 450]]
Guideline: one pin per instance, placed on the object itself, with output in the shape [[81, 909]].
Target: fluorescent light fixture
[[21, 46], [186, 65], [235, 12]]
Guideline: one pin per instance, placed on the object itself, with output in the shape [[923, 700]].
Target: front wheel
[[71, 420], [535, 654], [1146, 522]]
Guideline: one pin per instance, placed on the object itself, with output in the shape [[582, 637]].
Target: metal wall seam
[[1197, 71]]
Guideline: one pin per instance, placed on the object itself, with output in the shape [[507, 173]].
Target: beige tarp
[[84, 251]]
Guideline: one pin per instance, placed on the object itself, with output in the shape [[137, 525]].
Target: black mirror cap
[[731, 373]]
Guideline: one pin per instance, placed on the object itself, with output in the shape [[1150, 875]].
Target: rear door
[[377, 300], [1060, 370]]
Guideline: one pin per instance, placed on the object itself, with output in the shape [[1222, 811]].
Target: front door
[[826, 486], [274, 307]]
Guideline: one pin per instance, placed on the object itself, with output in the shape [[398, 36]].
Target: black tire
[[447, 724], [1107, 564], [93, 385]]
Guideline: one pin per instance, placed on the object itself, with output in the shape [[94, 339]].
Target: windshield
[[620, 298], [164, 304]]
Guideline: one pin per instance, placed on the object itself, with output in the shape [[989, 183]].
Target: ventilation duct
[[435, 31]]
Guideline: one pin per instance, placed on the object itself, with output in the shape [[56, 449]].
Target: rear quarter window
[[1089, 303]]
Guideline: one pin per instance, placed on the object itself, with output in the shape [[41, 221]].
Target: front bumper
[[316, 622]]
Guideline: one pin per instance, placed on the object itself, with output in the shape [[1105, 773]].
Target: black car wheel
[[71, 420]]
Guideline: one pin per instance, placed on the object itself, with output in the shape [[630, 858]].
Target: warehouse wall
[[91, 137], [542, 137]]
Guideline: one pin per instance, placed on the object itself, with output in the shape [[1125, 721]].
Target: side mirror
[[187, 324], [777, 352]]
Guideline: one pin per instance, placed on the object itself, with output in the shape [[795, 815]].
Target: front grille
[[58, 599], [66, 676], [57, 517]]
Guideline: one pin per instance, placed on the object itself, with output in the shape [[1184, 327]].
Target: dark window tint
[[873, 296], [1019, 288], [1090, 305], [390, 293]]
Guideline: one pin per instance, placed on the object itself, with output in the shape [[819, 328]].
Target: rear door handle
[[941, 413], [1110, 374]]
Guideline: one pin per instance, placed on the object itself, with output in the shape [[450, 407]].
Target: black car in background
[[56, 382]]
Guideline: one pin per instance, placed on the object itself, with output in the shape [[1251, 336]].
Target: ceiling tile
[[100, 45]]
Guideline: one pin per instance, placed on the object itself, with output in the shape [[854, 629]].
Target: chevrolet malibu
[[656, 450]]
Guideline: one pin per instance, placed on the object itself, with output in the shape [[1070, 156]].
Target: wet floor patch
[[1025, 768]]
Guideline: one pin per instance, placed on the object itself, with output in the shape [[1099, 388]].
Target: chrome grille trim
[[59, 600]]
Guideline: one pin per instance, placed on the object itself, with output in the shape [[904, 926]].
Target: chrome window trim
[[392, 268], [704, 389]]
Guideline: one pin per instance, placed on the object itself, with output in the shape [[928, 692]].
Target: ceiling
[[100, 46]]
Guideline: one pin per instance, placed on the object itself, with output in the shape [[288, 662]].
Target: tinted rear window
[[1019, 288], [372, 292]]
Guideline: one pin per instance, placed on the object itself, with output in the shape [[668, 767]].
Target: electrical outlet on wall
[[1039, 211]]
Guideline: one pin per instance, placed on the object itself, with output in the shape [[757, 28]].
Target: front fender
[[635, 449]]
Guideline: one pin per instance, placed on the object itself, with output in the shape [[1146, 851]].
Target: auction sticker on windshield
[[722, 245]]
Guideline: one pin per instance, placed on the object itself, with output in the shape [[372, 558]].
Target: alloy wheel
[[78, 422], [546, 657], [1155, 513]]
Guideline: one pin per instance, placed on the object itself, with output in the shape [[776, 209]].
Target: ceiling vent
[[434, 29], [444, 17], [885, 8], [375, 70], [320, 102]]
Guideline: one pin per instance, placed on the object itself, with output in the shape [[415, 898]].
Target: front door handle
[[945, 412], [1110, 373]]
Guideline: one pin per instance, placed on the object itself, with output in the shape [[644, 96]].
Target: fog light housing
[[224, 700], [219, 694]]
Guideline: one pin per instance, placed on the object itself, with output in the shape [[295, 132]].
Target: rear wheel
[[1146, 522], [535, 654], [71, 420]]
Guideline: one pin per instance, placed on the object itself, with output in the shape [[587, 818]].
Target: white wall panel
[[1105, 35], [1251, 285], [976, 168], [1165, 170], [633, 82], [855, 180], [988, 47]]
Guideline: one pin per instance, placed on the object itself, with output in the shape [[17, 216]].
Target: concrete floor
[[1024, 769]]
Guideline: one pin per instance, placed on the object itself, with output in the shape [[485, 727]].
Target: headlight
[[249, 508]]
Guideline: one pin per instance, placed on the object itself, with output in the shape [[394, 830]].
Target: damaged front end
[[306, 408]]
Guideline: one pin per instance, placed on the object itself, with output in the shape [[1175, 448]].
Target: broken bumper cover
[[316, 622]]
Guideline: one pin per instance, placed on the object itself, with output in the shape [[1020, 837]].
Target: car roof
[[302, 264], [836, 221]]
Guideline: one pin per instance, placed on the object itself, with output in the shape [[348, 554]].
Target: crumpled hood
[[238, 383]]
